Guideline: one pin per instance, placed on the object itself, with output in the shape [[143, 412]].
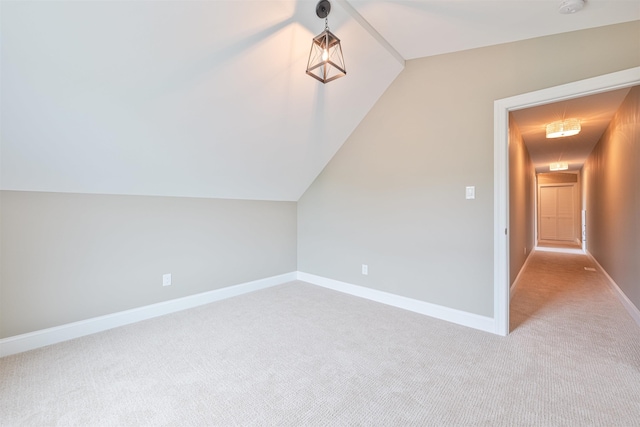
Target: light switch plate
[[470, 192]]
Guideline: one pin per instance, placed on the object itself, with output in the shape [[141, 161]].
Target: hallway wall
[[521, 202], [610, 179]]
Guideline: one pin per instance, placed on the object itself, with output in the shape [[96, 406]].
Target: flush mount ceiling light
[[570, 6], [560, 166], [326, 62], [562, 128]]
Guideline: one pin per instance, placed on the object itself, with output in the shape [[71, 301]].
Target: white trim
[[459, 317], [560, 250], [501, 218], [502, 107], [626, 302], [372, 31], [516, 282], [44, 337]]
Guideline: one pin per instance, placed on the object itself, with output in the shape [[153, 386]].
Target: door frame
[[501, 109]]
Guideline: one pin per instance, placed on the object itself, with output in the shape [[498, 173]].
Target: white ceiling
[[210, 98], [424, 28]]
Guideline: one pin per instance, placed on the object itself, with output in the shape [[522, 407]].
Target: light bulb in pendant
[[325, 54]]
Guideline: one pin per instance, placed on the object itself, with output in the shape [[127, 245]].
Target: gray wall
[[69, 257], [521, 202], [611, 180], [393, 196]]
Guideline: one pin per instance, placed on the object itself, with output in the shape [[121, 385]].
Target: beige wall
[[393, 197], [521, 202], [69, 257], [611, 179]]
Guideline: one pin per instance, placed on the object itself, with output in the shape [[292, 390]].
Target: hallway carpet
[[300, 355]]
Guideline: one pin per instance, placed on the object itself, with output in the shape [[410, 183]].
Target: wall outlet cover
[[166, 279]]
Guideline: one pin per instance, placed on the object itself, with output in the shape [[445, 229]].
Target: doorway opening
[[502, 107]]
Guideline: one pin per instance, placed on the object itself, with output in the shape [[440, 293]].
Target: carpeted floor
[[298, 354]]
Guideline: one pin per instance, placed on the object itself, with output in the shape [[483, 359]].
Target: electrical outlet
[[166, 279], [365, 269]]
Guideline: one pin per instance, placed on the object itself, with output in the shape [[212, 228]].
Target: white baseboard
[[560, 250], [44, 337], [459, 317], [514, 286], [626, 302]]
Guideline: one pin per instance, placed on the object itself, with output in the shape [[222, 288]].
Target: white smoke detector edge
[[570, 6]]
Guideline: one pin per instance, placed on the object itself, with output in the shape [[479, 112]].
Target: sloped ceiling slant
[[210, 98], [199, 99]]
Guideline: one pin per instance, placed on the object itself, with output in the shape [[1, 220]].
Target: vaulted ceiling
[[210, 98]]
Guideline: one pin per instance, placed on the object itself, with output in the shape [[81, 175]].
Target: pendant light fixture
[[326, 62], [562, 128]]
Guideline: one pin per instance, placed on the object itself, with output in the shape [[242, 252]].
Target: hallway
[[557, 295], [578, 332]]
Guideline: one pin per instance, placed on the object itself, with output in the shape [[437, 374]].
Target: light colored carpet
[[298, 354]]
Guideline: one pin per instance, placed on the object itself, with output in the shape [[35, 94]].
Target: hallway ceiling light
[[560, 166], [326, 62], [563, 128]]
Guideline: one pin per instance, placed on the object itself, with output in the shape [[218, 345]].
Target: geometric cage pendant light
[[326, 62], [563, 128]]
